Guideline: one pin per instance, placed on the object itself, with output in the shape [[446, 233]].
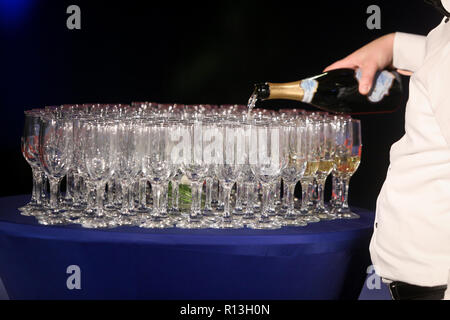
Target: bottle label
[[382, 84], [309, 87]]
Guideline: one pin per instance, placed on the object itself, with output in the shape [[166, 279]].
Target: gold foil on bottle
[[288, 91]]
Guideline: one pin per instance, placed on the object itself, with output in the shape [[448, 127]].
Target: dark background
[[191, 52]]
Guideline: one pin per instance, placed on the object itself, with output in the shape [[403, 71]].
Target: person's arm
[[401, 50]]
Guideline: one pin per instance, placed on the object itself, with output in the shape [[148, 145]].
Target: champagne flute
[[55, 151], [312, 165], [268, 158], [30, 151], [327, 147], [295, 133], [347, 160]]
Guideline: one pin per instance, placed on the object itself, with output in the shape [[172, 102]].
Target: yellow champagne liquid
[[311, 169], [325, 167], [347, 165]]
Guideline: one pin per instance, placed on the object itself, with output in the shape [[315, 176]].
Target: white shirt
[[411, 240]]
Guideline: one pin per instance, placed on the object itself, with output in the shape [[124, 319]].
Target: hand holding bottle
[[374, 56]]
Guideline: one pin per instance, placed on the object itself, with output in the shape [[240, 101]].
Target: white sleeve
[[438, 83], [409, 51]]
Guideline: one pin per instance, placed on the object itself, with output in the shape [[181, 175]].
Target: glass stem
[[266, 191], [175, 195], [142, 192], [33, 191], [69, 186], [44, 188], [227, 200], [131, 194], [37, 185], [320, 192], [271, 199], [54, 186], [196, 197], [99, 198], [126, 192], [110, 193], [334, 189], [338, 198], [76, 189], [208, 194], [156, 190], [345, 185], [277, 191], [214, 191], [220, 194], [248, 196], [118, 193], [313, 193], [290, 199], [90, 197], [285, 195], [239, 196], [305, 194], [164, 198]]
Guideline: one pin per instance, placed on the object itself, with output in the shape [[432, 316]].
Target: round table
[[325, 260]]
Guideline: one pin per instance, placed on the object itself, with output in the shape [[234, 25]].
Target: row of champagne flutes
[[111, 155]]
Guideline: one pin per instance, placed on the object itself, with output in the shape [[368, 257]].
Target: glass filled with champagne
[[347, 159]]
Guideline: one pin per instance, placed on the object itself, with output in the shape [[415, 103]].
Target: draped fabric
[[326, 260]]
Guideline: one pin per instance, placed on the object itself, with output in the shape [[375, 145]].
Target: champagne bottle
[[337, 91]]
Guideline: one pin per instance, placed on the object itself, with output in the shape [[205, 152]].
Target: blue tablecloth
[[325, 260]]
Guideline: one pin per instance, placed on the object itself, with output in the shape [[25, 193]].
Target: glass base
[[156, 224], [31, 209], [111, 207], [193, 224], [347, 215], [25, 210], [78, 207], [309, 218], [323, 214], [248, 219], [264, 223], [127, 220], [96, 222], [73, 214], [141, 209], [227, 223], [52, 219], [294, 221], [209, 213], [326, 216]]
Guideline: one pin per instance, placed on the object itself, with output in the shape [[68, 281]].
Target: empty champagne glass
[[268, 158], [229, 167], [195, 166], [100, 159], [128, 168], [30, 151], [55, 150], [157, 168], [248, 178]]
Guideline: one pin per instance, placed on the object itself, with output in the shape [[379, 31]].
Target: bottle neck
[[288, 91]]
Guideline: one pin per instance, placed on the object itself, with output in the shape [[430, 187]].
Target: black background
[[186, 52]]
